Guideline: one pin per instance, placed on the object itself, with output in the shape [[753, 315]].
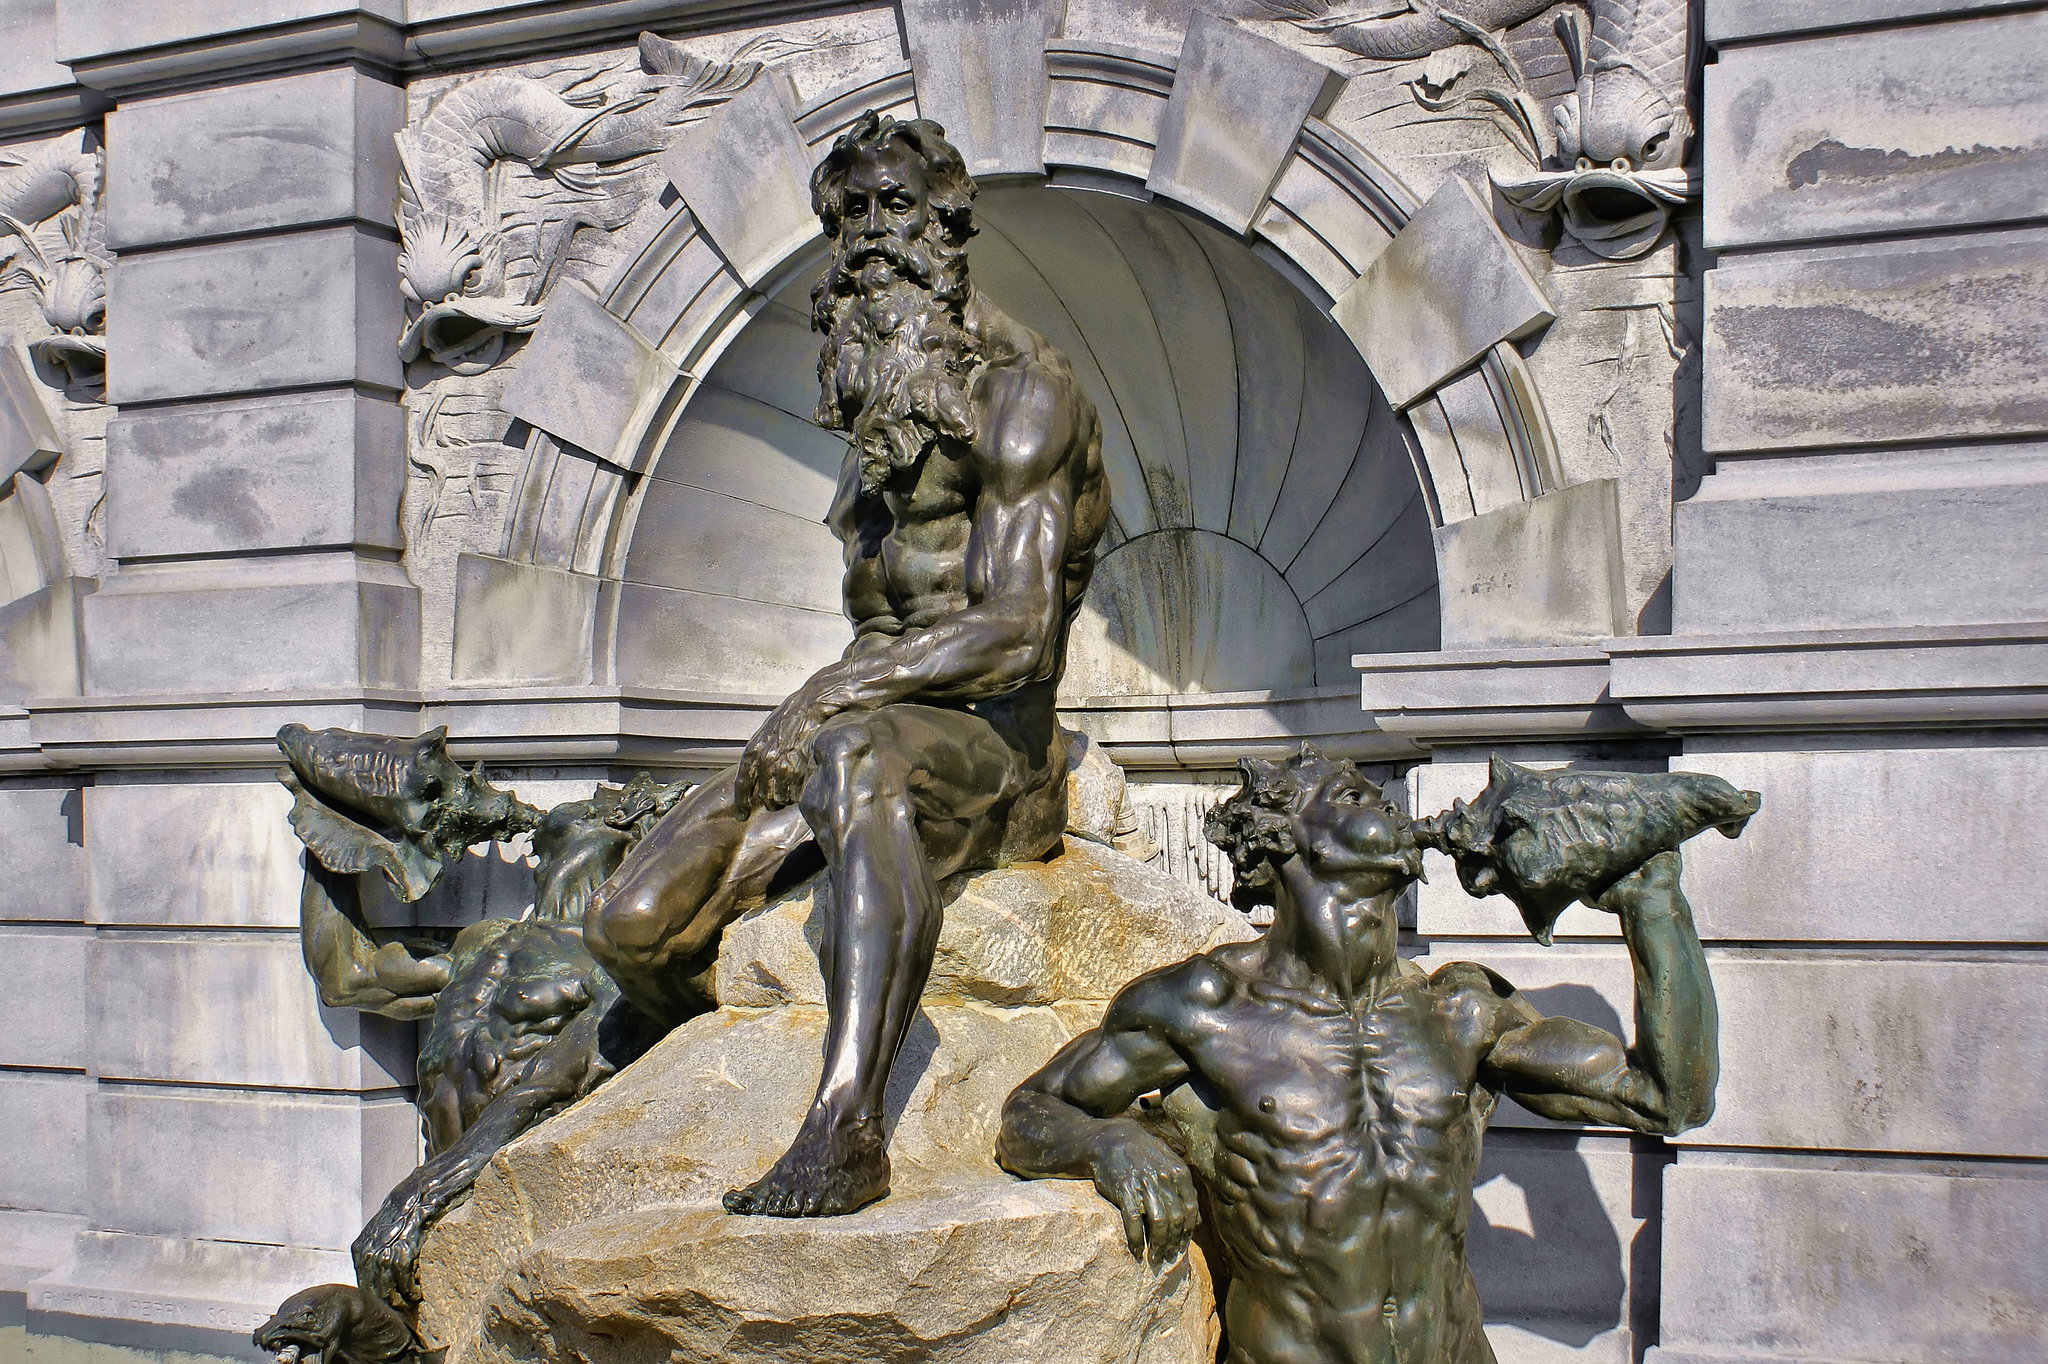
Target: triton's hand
[[389, 1247], [1151, 1187], [777, 761], [1649, 886]]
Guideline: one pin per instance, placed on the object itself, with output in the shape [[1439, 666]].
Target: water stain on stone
[[1840, 163], [223, 500], [1832, 345]]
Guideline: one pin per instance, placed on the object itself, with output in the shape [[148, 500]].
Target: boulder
[[599, 1235]]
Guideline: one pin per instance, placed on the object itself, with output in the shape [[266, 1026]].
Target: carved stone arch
[[611, 378]]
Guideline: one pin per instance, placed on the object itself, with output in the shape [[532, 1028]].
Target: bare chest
[[907, 560], [1345, 1111]]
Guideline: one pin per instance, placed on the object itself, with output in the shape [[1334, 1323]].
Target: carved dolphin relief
[[457, 246], [60, 182]]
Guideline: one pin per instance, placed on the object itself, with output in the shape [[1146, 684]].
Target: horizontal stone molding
[[1921, 677], [1835, 679], [128, 51], [1900, 130], [1217, 729]]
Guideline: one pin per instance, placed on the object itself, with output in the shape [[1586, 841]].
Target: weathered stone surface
[[231, 317], [280, 1169], [1546, 571], [1076, 927], [1239, 100], [1763, 18], [728, 546], [1867, 809], [42, 827], [1844, 542], [701, 641], [981, 73], [1447, 288], [523, 624], [1812, 1259], [239, 1008], [29, 438], [40, 641], [205, 1294], [279, 153], [745, 173], [1882, 343], [311, 470], [240, 866], [50, 1029], [604, 1221], [313, 621], [1912, 129], [42, 1141], [590, 379]]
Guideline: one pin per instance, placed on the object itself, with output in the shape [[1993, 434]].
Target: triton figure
[[1330, 1096], [970, 503]]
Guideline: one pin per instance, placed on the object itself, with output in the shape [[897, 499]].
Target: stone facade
[[318, 404]]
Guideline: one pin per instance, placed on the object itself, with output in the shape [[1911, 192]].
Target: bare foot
[[825, 1173]]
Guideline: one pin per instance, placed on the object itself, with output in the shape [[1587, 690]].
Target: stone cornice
[[1927, 677]]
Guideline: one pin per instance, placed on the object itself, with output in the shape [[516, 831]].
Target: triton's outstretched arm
[[1573, 1072], [398, 980]]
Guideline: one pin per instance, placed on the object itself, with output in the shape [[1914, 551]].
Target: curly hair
[[951, 188], [1255, 827]]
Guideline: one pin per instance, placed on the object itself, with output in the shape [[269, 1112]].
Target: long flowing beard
[[895, 372]]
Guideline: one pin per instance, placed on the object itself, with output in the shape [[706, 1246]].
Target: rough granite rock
[[598, 1235]]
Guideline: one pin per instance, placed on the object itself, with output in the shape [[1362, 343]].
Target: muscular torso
[[1341, 1167], [514, 986], [912, 557]]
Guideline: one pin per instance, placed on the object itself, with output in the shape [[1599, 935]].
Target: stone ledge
[[1920, 677], [1835, 679], [1484, 694], [1216, 729]]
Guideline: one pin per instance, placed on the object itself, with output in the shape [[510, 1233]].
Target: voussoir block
[[1443, 293], [234, 317], [591, 380], [289, 152], [1238, 104], [980, 68], [1546, 571], [293, 471], [745, 171]]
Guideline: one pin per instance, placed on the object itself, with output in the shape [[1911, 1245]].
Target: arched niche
[[691, 521], [1267, 519]]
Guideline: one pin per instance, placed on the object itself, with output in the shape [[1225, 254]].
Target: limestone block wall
[[1778, 519]]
